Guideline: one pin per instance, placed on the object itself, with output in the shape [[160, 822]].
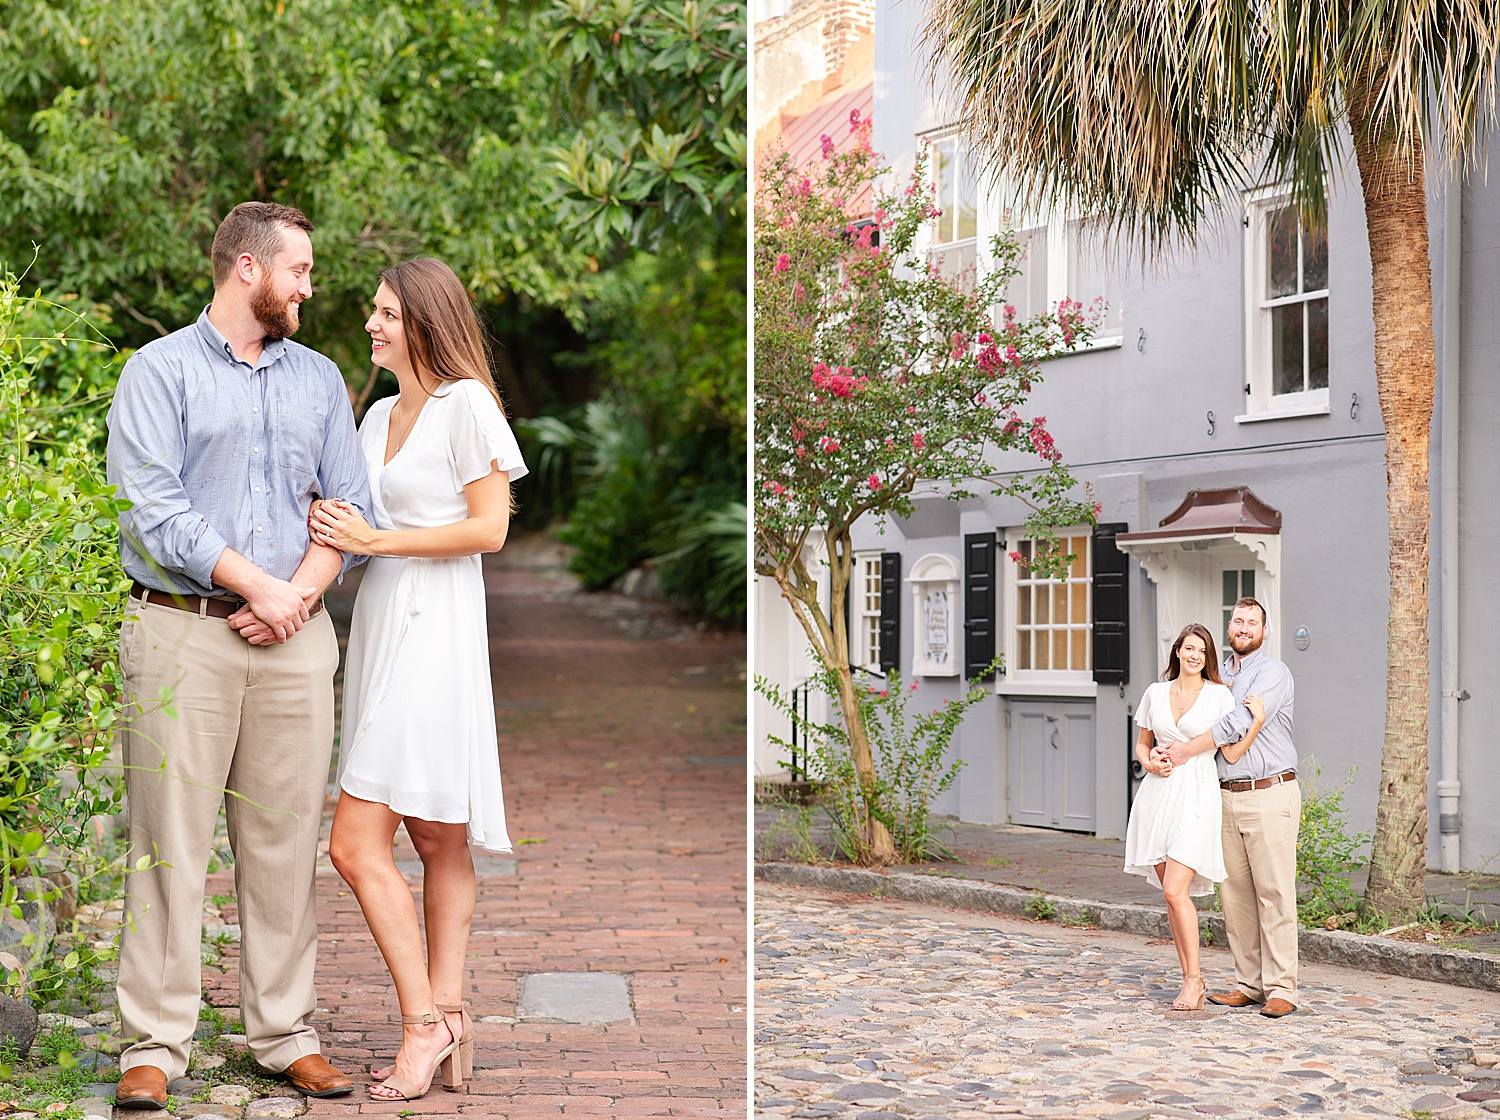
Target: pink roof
[[802, 134]]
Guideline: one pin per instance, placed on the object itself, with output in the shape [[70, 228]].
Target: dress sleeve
[[480, 436], [1143, 713]]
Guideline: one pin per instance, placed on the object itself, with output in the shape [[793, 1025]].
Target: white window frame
[[1260, 402], [770, 9], [970, 247], [867, 649], [1045, 682]]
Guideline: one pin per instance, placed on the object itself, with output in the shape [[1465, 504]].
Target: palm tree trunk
[[1405, 369]]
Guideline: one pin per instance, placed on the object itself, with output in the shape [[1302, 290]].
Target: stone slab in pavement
[[871, 1009], [630, 860], [575, 997]]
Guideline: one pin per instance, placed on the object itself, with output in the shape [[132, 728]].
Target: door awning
[[1208, 514]]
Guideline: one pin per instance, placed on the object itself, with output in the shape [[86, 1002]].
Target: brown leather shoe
[[1235, 998], [1276, 1007], [142, 1087], [314, 1077]]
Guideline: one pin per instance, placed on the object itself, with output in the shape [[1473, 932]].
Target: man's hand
[[258, 633], [278, 606]]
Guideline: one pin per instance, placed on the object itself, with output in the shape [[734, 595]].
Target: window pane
[[1059, 604], [942, 172], [1080, 611], [1060, 649], [1041, 650], [1231, 588], [1224, 633], [1317, 344], [1024, 567], [1281, 253], [1027, 290], [1041, 605], [1023, 650], [872, 638], [1247, 584], [967, 201], [1078, 547], [1088, 276], [1286, 348], [1315, 259], [1080, 650], [1023, 606]]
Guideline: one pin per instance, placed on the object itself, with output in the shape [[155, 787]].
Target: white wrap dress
[[1181, 815], [418, 732]]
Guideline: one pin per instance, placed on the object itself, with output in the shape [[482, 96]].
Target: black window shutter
[[890, 611], [979, 604], [1111, 607]]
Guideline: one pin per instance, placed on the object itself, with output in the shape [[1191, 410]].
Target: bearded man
[[221, 435]]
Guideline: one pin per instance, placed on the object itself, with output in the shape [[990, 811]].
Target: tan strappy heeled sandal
[[465, 1040], [1177, 1004], [445, 1061]]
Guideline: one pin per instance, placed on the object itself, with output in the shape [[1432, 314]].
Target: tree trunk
[[830, 642], [1405, 370]]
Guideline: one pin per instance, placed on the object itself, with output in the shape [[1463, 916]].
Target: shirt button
[[255, 409], [258, 529], [256, 450], [257, 489]]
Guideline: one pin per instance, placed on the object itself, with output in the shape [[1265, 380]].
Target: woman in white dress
[[418, 740], [1174, 838]]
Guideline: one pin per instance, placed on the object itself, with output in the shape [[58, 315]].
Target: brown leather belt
[[1273, 780], [213, 608]]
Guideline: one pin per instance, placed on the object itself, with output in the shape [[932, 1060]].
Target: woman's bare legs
[[360, 847], [448, 892], [1176, 878]]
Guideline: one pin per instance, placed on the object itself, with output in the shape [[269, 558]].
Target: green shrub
[[1326, 853], [61, 591]]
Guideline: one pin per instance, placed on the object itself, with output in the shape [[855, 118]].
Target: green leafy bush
[[61, 589], [1326, 853], [912, 768]]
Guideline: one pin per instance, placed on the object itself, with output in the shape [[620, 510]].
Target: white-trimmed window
[[864, 609], [1286, 310], [1090, 279], [1051, 620], [770, 9], [955, 232], [1027, 290]]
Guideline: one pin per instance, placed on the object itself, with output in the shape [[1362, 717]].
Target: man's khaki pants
[[209, 713], [1260, 894]]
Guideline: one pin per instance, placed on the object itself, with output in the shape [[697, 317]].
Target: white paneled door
[[1052, 764]]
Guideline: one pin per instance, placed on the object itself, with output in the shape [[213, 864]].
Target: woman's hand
[[337, 524], [1257, 708], [1159, 763]]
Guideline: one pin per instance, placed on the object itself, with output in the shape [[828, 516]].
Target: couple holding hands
[[1220, 804], [224, 436]]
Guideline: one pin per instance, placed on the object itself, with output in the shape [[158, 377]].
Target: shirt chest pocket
[[297, 427]]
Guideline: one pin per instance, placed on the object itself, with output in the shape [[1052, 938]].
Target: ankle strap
[[452, 1007], [426, 1019]]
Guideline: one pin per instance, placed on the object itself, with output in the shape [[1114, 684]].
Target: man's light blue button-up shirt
[[1273, 752], [216, 453]]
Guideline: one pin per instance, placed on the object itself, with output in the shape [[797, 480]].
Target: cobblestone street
[[622, 749], [869, 1010]]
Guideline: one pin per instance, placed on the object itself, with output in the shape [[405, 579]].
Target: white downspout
[[1447, 787]]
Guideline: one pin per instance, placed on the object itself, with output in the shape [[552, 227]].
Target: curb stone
[[1352, 950]]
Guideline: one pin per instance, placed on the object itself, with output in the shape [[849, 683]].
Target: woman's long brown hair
[[1210, 659], [442, 331]]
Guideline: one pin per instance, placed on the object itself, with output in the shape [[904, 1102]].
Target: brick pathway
[[617, 725]]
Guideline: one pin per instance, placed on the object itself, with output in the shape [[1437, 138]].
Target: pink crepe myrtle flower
[[875, 483], [827, 142], [783, 262], [828, 445], [1016, 557], [841, 384], [917, 441]]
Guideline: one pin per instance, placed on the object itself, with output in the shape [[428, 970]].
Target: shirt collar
[[270, 351], [1249, 659]]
